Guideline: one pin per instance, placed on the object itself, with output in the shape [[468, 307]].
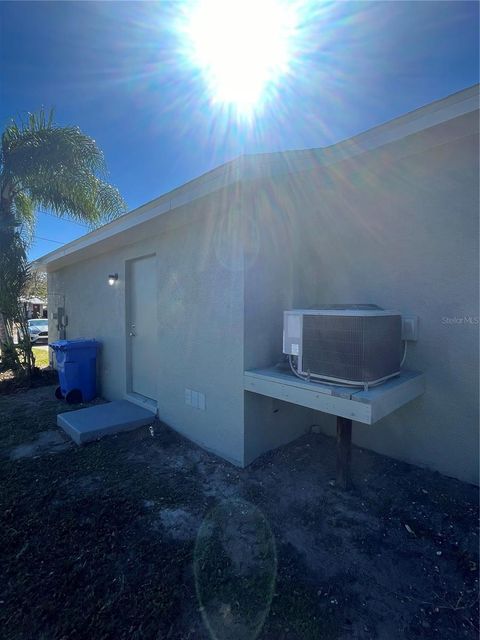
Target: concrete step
[[85, 425]]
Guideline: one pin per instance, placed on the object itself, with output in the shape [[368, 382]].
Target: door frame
[[131, 395]]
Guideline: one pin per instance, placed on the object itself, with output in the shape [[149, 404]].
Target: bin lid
[[77, 343]]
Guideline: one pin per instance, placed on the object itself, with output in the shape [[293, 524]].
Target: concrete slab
[[101, 420]]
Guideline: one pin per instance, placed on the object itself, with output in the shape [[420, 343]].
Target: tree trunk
[[5, 225], [14, 274], [3, 331]]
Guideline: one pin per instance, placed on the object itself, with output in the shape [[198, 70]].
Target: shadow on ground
[[148, 536]]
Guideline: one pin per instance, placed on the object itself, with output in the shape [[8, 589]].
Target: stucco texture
[[199, 309], [397, 226]]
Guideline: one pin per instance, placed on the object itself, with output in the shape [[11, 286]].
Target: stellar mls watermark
[[461, 320]]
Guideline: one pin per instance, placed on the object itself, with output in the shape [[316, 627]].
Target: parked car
[[38, 329]]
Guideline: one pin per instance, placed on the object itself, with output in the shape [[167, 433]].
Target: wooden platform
[[347, 402]]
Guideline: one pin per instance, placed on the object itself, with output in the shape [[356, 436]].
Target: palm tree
[[43, 165]]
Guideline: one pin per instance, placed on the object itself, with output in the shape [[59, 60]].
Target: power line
[[48, 240], [57, 218], [52, 215], [47, 213]]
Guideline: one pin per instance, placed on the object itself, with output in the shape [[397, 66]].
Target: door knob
[[131, 333]]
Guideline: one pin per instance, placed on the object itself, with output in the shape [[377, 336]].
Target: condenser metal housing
[[351, 344]]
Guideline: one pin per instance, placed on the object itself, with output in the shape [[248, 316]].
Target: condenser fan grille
[[351, 347]]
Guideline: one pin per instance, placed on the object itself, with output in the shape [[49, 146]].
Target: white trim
[[141, 401], [343, 312], [367, 407], [255, 166], [208, 183]]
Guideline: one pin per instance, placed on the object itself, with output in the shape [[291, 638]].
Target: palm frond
[[59, 168], [48, 152], [84, 198], [25, 215]]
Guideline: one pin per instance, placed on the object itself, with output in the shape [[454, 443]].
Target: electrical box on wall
[[195, 399], [410, 328]]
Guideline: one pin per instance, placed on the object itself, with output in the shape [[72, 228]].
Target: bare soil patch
[[141, 536], [9, 384]]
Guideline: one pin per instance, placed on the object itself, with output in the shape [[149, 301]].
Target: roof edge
[[248, 167]]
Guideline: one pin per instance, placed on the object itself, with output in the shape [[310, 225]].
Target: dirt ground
[[144, 535]]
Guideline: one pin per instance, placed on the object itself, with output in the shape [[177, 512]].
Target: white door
[[142, 326]]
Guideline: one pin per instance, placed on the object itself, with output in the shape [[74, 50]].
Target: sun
[[242, 48]]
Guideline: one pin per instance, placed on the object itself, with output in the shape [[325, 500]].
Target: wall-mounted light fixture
[[112, 278]]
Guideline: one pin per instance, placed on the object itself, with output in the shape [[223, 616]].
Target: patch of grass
[[21, 421], [41, 357]]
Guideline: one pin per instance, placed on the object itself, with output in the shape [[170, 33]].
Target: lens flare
[[235, 568], [242, 48]]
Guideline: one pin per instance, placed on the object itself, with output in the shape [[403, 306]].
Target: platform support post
[[344, 453]]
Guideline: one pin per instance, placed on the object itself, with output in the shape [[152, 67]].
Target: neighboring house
[[205, 272], [36, 307]]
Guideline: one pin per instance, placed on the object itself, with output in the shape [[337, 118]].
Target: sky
[[118, 71]]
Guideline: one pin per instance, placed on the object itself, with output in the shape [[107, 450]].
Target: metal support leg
[[344, 451]]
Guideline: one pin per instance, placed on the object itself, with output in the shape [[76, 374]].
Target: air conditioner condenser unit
[[344, 344]]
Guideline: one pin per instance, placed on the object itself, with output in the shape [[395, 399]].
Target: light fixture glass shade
[[112, 278]]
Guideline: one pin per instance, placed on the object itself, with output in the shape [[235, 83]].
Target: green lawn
[[41, 357]]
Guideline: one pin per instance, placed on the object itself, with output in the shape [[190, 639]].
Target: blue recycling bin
[[77, 369]]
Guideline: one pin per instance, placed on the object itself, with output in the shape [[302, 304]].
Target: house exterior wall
[[397, 227], [276, 278], [199, 302]]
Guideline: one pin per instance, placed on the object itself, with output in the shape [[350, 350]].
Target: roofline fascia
[[219, 178]]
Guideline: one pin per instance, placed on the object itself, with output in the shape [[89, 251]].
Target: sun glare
[[241, 47]]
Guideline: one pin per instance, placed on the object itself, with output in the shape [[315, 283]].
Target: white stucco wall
[[276, 278], [397, 227], [200, 320]]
